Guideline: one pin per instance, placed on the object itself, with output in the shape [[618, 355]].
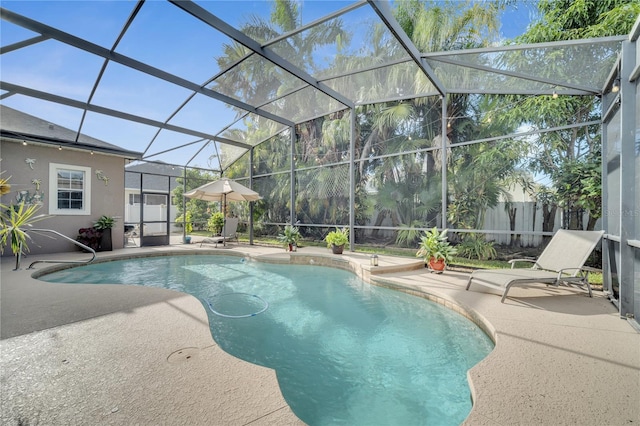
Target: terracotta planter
[[437, 265], [337, 249]]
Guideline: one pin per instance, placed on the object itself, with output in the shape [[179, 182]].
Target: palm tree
[[260, 80], [409, 185]]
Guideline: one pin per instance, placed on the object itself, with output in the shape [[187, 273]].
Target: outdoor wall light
[[374, 260], [616, 86]]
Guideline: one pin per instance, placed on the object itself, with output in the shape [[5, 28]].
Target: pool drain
[[182, 355], [263, 305]]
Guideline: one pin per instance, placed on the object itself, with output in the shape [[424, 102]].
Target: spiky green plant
[[474, 246], [14, 219], [290, 235]]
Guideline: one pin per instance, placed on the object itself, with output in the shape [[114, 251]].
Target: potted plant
[[337, 239], [90, 237], [104, 225], [435, 249], [289, 237]]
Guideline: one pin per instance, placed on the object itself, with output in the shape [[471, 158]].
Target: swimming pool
[[345, 352]]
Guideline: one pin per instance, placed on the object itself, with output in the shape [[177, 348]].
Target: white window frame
[[53, 190]]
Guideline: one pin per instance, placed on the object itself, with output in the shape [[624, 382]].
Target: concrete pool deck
[[112, 354]]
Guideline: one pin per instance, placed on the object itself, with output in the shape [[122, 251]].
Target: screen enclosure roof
[[181, 83]]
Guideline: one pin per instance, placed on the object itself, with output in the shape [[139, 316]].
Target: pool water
[[345, 352]]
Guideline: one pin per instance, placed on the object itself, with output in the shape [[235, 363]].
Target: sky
[[157, 37], [516, 18]]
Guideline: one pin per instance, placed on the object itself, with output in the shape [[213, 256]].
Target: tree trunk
[[379, 219], [548, 219], [533, 226], [515, 238]]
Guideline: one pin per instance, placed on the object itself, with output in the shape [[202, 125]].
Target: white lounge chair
[[230, 232], [562, 261]]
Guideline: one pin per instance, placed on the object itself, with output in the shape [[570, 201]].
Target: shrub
[[215, 223], [474, 246]]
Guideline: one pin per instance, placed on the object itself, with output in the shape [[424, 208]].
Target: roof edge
[[66, 144]]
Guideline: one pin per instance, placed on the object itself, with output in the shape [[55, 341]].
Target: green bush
[[474, 246], [215, 223]]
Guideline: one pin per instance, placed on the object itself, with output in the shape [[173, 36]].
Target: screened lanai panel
[[257, 13], [273, 155], [228, 154], [303, 105], [252, 129], [322, 195], [480, 183], [491, 116], [255, 81], [593, 61], [460, 78], [637, 181], [173, 147], [240, 168], [396, 81], [612, 157], [204, 114], [124, 133], [197, 153], [52, 67], [351, 42], [403, 143], [164, 36], [275, 191], [323, 141], [125, 89], [402, 190], [207, 158], [240, 210], [82, 19]]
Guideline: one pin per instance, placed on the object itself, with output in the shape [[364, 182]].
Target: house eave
[[65, 144]]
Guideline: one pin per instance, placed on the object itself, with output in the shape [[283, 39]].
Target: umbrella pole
[[224, 224]]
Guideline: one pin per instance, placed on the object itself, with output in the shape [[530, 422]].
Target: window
[[155, 200], [134, 199], [69, 189], [149, 199]]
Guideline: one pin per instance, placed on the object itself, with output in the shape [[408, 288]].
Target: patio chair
[[562, 261], [230, 231], [129, 233]]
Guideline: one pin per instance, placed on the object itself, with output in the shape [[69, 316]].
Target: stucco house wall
[[25, 164]]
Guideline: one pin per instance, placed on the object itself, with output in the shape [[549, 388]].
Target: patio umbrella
[[223, 190]]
